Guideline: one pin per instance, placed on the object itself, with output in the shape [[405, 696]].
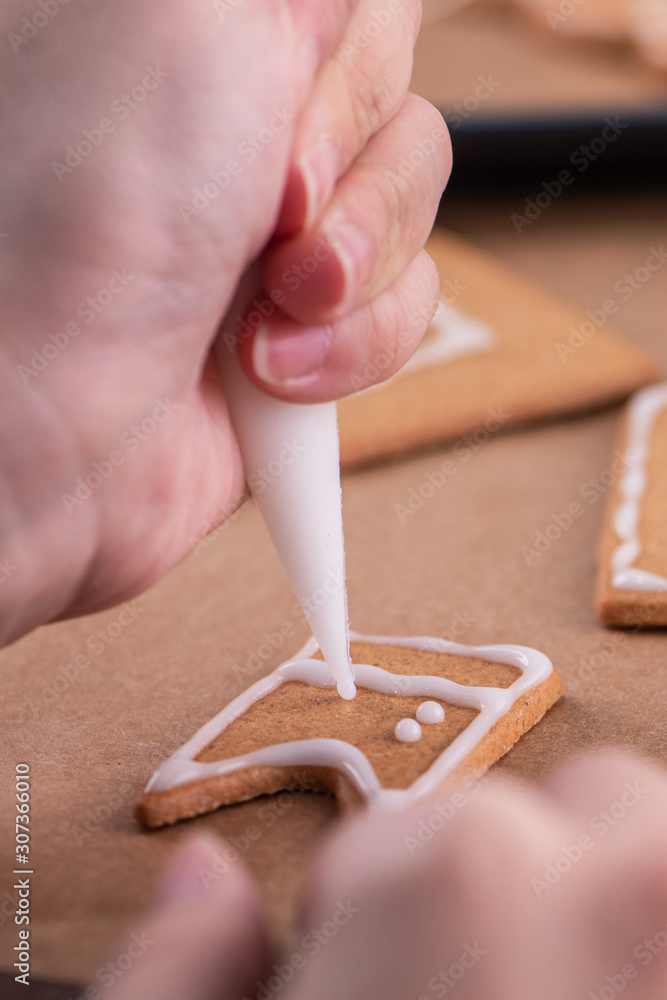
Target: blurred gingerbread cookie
[[643, 22]]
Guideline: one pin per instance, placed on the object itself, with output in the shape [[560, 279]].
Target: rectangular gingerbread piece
[[631, 588], [282, 715], [501, 350]]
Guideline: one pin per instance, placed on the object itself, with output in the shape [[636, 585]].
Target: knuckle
[[376, 95]]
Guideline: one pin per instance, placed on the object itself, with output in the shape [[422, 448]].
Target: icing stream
[[492, 704]]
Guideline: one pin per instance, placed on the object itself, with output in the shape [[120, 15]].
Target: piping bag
[[291, 452]]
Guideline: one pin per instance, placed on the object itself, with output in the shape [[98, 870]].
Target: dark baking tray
[[508, 152]]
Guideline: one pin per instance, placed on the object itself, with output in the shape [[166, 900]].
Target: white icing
[[454, 334], [492, 704], [291, 457], [430, 713], [642, 413], [408, 731]]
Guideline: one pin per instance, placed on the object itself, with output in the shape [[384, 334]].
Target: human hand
[[150, 149], [501, 893]]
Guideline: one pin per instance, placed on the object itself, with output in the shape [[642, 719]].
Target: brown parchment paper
[[95, 705], [93, 728]]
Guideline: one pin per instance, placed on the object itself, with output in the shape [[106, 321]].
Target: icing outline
[[492, 704], [643, 412]]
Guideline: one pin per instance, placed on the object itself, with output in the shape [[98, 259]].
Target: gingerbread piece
[[631, 588], [465, 708], [502, 352]]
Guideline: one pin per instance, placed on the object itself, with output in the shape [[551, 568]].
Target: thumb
[[204, 938]]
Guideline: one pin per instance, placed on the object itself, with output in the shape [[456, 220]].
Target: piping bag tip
[[347, 690]]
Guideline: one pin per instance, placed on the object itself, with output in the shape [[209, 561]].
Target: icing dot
[[430, 712], [408, 731]]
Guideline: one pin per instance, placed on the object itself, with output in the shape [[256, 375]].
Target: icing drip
[[430, 713], [642, 414], [491, 703], [408, 731]]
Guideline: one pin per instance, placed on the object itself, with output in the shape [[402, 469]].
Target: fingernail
[[320, 173], [355, 252], [191, 871], [281, 357]]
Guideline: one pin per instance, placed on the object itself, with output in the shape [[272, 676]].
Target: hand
[[155, 151], [495, 892]]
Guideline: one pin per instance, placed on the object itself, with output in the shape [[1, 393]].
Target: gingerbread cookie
[[631, 587], [427, 714], [500, 349]]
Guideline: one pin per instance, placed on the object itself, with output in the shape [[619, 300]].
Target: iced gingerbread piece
[[427, 714], [631, 587], [500, 350]]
